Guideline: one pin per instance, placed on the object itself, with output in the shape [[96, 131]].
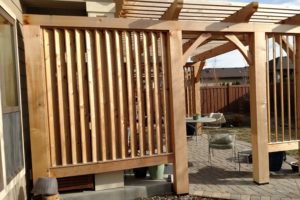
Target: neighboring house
[[225, 76], [285, 65]]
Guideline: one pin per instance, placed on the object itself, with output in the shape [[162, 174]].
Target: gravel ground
[[174, 197]]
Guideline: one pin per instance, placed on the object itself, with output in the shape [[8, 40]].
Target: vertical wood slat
[[131, 94], [268, 88], [52, 96], [275, 87], [62, 96], [112, 92], [156, 92], [166, 89], [140, 93], [148, 93], [103, 93], [295, 85], [83, 96], [186, 91], [94, 119], [37, 106], [281, 88], [288, 88], [122, 100], [297, 74], [73, 96]]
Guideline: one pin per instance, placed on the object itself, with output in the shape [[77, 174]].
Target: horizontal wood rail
[[110, 166], [141, 24], [284, 146]]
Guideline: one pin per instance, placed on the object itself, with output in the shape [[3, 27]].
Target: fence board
[[62, 96], [52, 97], [225, 99], [131, 94], [156, 92], [83, 96], [140, 92], [93, 97], [103, 93], [73, 96], [148, 93]]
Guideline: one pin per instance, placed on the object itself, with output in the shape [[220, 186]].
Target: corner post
[[297, 68], [37, 98], [258, 108], [177, 110]]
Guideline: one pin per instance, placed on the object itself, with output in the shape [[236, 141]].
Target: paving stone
[[223, 176]]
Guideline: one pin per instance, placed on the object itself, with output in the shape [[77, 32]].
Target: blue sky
[[234, 58]]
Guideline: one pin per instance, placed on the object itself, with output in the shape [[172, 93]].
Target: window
[[11, 120]]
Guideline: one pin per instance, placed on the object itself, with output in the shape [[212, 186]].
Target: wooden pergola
[[216, 21], [148, 34]]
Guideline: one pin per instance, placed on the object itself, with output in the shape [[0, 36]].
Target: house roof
[[284, 63], [218, 73]]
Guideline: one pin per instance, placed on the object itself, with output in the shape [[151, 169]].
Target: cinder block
[[109, 180]]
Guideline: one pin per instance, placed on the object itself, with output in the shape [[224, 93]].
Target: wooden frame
[[256, 57]]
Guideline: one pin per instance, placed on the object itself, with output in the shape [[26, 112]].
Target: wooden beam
[[200, 66], [181, 179], [172, 13], [258, 108], [286, 146], [121, 23], [201, 38], [244, 14], [219, 50], [294, 20], [37, 106], [119, 8], [110, 166], [227, 47], [297, 77], [240, 46]]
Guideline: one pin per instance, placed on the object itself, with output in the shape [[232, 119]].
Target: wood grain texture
[[83, 96], [62, 97], [103, 94], [258, 107], [165, 74], [122, 97], [140, 92], [149, 101], [38, 109], [112, 92], [93, 95], [181, 181], [52, 96], [73, 96], [157, 96]]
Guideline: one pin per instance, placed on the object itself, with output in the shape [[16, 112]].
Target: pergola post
[[181, 182], [297, 68], [258, 107]]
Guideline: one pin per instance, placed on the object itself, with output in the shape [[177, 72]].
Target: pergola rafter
[[295, 20], [242, 15], [172, 13]]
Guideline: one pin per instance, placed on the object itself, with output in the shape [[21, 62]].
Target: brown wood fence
[[225, 99]]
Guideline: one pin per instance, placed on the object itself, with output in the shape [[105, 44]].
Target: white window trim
[[14, 181]]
